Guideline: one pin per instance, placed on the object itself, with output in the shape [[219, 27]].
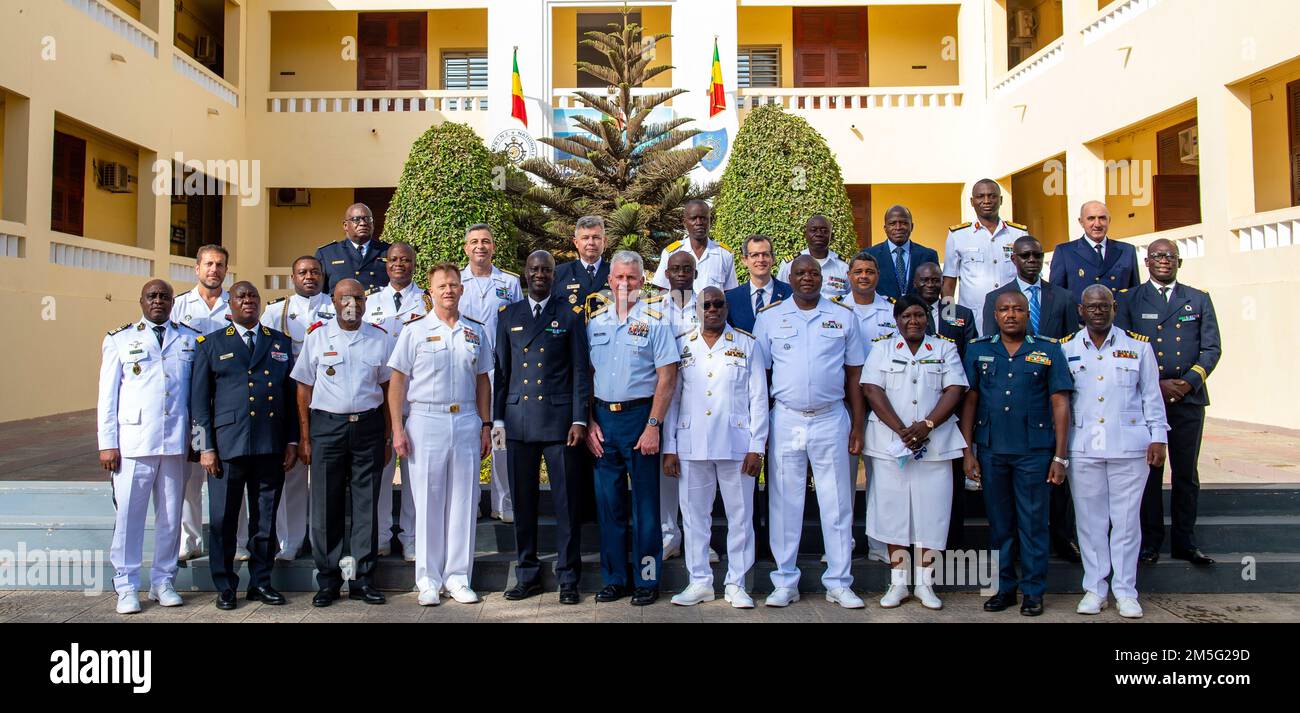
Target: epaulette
[[769, 305], [946, 339], [385, 331], [1068, 337], [656, 314], [837, 299], [277, 300], [471, 319], [428, 302], [182, 324], [892, 301], [883, 337], [322, 247], [1124, 290], [1017, 226], [414, 318], [373, 290], [313, 327], [738, 329], [502, 308], [598, 296], [1050, 340], [1139, 337], [597, 313], [652, 300], [987, 338], [959, 226], [125, 326], [512, 274], [843, 305], [674, 246]]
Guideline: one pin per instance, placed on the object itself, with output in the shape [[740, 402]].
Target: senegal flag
[[517, 93], [717, 99]]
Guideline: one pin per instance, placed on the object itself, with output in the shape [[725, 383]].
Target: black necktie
[[397, 301], [537, 311], [1164, 292], [248, 339], [1100, 255], [591, 271], [158, 332]]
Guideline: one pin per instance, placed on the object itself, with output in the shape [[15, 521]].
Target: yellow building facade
[[280, 113]]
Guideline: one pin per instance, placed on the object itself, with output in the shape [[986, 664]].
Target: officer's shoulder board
[[512, 274], [428, 302], [373, 290], [673, 246], [121, 328], [741, 331], [652, 300], [182, 324], [1068, 337], [1139, 337], [959, 226], [326, 245], [314, 326], [1050, 340], [946, 339], [837, 299], [986, 339], [654, 313], [1017, 226], [598, 312], [385, 331], [892, 301], [841, 304], [502, 308], [414, 318], [471, 319], [276, 301], [883, 337], [770, 305]]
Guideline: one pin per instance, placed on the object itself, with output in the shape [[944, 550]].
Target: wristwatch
[[652, 421], [487, 424], [928, 423], [1063, 461]]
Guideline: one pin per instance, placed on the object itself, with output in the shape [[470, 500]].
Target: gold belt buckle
[[353, 418], [616, 407], [455, 408]]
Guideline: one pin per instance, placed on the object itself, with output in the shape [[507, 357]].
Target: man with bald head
[[359, 255], [144, 430], [1094, 259], [899, 257], [244, 409]]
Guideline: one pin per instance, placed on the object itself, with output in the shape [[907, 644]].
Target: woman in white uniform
[[913, 383]]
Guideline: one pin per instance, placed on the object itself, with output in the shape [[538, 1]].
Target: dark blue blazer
[[884, 255], [740, 303], [339, 261], [1075, 266], [573, 284], [540, 403], [1058, 315], [245, 404]]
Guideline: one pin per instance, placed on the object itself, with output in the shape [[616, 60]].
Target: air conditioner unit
[[1026, 27], [292, 197], [1189, 150], [205, 48], [114, 177]]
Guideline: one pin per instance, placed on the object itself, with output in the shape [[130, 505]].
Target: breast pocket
[[435, 355], [598, 344], [933, 376], [329, 365], [1126, 374], [737, 369], [895, 377]]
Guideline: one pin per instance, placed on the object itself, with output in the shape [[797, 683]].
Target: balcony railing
[[1263, 231], [1115, 17], [72, 251], [279, 278], [421, 100], [204, 77], [567, 97], [1036, 65], [12, 239], [1190, 240], [851, 97], [121, 24]]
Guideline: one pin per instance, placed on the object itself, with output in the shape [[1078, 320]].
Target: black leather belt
[[349, 417], [624, 405]]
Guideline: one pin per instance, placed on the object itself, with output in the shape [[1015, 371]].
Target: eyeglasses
[[1028, 254], [1099, 309], [1162, 257], [713, 304], [758, 255], [358, 220]]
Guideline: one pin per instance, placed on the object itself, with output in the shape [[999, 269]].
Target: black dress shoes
[[523, 591], [1000, 601], [1194, 555], [1149, 556], [226, 600], [1068, 550], [265, 595], [611, 593], [1032, 606], [569, 595], [324, 597], [644, 596], [367, 594]]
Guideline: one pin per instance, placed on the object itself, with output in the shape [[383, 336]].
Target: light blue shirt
[[626, 355]]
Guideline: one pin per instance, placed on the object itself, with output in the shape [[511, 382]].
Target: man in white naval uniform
[[206, 308], [714, 438], [487, 289], [144, 423], [293, 315], [715, 265], [389, 307], [1119, 432], [835, 272], [977, 255], [812, 348]]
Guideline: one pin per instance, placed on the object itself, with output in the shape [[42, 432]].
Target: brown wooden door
[[860, 202], [830, 47], [1178, 201], [68, 204], [1293, 129], [377, 200], [392, 50]]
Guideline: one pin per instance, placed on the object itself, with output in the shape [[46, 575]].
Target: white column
[[694, 26], [1227, 165], [525, 24]]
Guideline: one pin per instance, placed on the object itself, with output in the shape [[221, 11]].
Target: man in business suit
[[761, 290], [1057, 313], [541, 412], [357, 255], [576, 279], [1094, 259], [243, 403], [1052, 313], [899, 257], [1180, 323]]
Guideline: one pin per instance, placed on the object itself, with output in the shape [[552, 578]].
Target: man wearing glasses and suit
[[359, 255]]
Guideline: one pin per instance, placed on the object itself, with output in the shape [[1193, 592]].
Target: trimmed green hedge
[[781, 172], [447, 186]]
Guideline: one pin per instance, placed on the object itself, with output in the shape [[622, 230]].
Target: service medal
[[573, 299], [329, 371], [136, 369]]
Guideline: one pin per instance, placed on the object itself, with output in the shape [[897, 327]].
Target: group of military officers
[[656, 394]]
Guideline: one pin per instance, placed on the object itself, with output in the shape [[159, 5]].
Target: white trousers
[[290, 517], [192, 511], [1107, 494], [406, 519], [700, 480], [670, 498], [796, 441], [444, 479], [910, 505], [501, 502], [163, 478]]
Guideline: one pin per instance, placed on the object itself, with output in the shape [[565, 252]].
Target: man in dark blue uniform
[[357, 255], [1094, 259], [1017, 412], [576, 279], [898, 257], [1180, 322], [244, 405], [541, 410]]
